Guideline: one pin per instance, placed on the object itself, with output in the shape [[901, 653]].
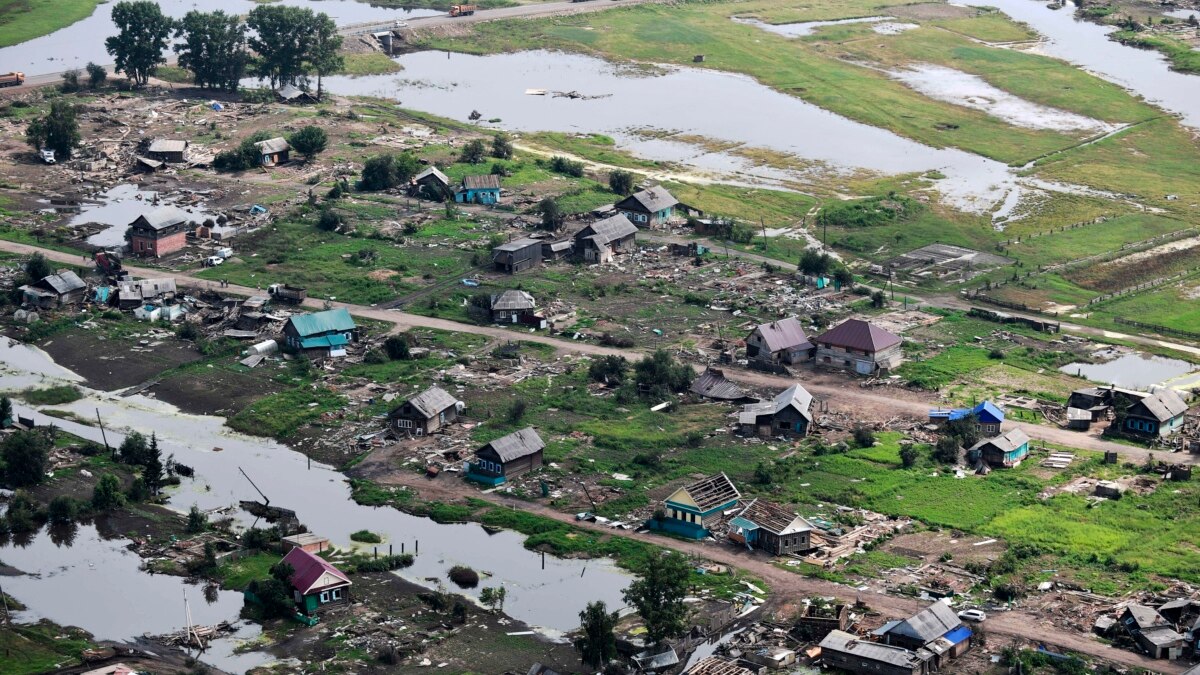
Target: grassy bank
[[41, 647], [22, 20]]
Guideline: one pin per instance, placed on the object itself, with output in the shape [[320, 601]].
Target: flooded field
[[1135, 371], [117, 208], [803, 28]]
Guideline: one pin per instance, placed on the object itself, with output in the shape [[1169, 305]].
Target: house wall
[[787, 423], [644, 219], [406, 419], [487, 464], [785, 545], [320, 601], [1148, 426], [995, 457], [519, 261], [488, 196], [864, 363], [148, 245], [856, 664]]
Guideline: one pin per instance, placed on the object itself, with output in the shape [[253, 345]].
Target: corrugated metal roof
[[323, 341], [432, 171], [784, 334], [794, 396], [329, 321], [484, 182], [513, 299], [168, 145], [845, 643], [145, 288], [64, 282], [273, 145], [928, 624], [712, 384], [1006, 442], [516, 445], [715, 665], [988, 412], [859, 335], [650, 200], [1146, 617], [1164, 404], [518, 244], [609, 229], [432, 401], [308, 569], [162, 217]]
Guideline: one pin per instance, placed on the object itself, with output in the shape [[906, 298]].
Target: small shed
[[507, 457], [307, 541], [604, 239], [63, 288], [788, 414], [557, 250], [170, 150], [517, 256], [1003, 451], [290, 93], [479, 190], [273, 151]]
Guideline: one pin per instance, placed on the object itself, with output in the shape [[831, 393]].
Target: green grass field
[[40, 648], [22, 20]]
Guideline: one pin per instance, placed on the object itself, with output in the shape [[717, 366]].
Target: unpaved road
[[842, 392]]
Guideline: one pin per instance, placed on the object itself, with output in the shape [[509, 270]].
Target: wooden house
[[779, 342], [1096, 401], [691, 510], [273, 151], [321, 333], [935, 629], [316, 584], [652, 207], [169, 150], [479, 190], [161, 232], [1152, 633], [859, 346], [431, 184], [787, 414], [513, 306], [853, 654], [135, 293], [1003, 451], [600, 241], [426, 413], [1156, 414], [64, 288], [557, 250], [517, 256], [770, 527], [507, 457]]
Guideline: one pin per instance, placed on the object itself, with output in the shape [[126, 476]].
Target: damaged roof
[[1005, 442], [784, 334], [712, 384], [847, 643], [513, 299], [794, 396], [516, 445], [712, 492], [774, 518], [650, 200], [168, 145], [715, 665], [145, 288], [432, 401], [273, 145], [64, 282], [1163, 405], [518, 244], [860, 336], [610, 229], [484, 182], [432, 172], [928, 624]]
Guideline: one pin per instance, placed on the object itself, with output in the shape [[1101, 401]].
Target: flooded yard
[[803, 28], [1135, 371], [117, 207]]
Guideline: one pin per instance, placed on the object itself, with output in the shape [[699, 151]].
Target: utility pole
[[104, 436]]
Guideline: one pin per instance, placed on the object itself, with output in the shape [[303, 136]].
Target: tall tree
[[25, 455], [57, 130], [621, 182], [213, 48], [658, 596], [324, 48], [144, 31], [37, 267], [552, 215], [152, 467], [279, 38], [6, 412], [597, 645], [107, 494]]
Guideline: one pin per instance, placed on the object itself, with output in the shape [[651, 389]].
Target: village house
[[316, 584], [273, 151], [1156, 414], [853, 654], [936, 629], [713, 384], [770, 527], [479, 190], [693, 509], [1003, 451], [600, 241], [785, 415], [431, 184], [321, 333], [652, 207], [171, 151], [1153, 633], [859, 346], [64, 288], [1096, 401], [513, 306], [507, 457], [426, 413], [779, 342], [135, 293], [987, 415], [517, 256], [161, 232]]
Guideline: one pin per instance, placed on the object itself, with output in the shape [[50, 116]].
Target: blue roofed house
[[321, 333], [479, 190], [936, 629], [691, 510], [988, 417]]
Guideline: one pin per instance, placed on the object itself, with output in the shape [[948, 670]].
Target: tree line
[[283, 45]]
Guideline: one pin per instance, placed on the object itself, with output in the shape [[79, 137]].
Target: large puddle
[[802, 28], [549, 599], [75, 45], [1134, 371], [117, 207]]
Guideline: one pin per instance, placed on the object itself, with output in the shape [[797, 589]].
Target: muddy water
[[1086, 44], [321, 498], [803, 28], [83, 41], [96, 584], [120, 206], [1136, 371], [683, 100]]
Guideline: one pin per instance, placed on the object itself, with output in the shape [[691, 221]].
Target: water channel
[[1135, 371]]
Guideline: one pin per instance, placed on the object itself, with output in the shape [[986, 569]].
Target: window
[[337, 594], [403, 424], [325, 596]]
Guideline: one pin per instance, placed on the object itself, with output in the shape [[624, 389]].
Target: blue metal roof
[[958, 634], [988, 412], [741, 522], [330, 321], [335, 340]]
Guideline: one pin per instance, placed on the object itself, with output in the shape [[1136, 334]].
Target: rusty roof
[[485, 182], [712, 384]]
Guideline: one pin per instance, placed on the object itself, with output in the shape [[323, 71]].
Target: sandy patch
[[1179, 245], [381, 275]]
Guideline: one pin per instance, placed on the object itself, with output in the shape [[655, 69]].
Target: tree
[[493, 597], [473, 152], [37, 267], [244, 156], [58, 130], [62, 510], [947, 450], [878, 299], [213, 48], [309, 141], [908, 455], [387, 171], [659, 374], [609, 370], [814, 263], [6, 412], [97, 75], [621, 182], [502, 147], [325, 48], [70, 81], [25, 458], [279, 36], [397, 348], [144, 31], [134, 449], [197, 520], [329, 220], [598, 644], [965, 429], [107, 494], [844, 277], [658, 596], [552, 215], [152, 467]]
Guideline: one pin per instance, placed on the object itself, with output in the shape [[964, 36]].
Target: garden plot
[[942, 260]]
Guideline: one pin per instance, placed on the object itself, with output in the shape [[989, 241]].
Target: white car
[[213, 260], [972, 615], [48, 156], [399, 24]]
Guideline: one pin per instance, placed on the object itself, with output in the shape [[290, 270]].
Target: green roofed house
[[321, 333], [692, 510]]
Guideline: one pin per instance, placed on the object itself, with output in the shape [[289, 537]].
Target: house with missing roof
[[770, 527], [426, 413], [1004, 451], [652, 207], [935, 629], [987, 415], [161, 232], [506, 457], [692, 510], [602, 240], [316, 584], [787, 414], [479, 190], [713, 384], [859, 346], [1159, 413], [779, 342], [273, 151], [63, 288], [321, 333]]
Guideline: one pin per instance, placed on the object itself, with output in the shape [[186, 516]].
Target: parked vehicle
[[48, 156], [463, 10], [400, 24], [213, 261], [286, 293], [225, 253], [972, 615], [586, 516], [13, 79], [109, 264]]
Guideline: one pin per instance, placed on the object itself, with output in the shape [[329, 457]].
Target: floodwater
[[453, 85], [80, 579], [321, 498], [83, 41], [972, 91], [1134, 371], [120, 206], [803, 28], [1086, 44]]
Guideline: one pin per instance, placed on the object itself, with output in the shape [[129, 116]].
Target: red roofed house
[[860, 346], [316, 584]]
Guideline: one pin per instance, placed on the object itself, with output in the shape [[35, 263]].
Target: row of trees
[[283, 45]]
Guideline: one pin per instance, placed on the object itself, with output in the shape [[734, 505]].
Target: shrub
[[397, 347], [610, 370], [197, 520], [516, 411], [660, 374], [62, 510], [996, 354], [107, 494], [375, 357], [473, 152], [619, 341], [329, 220], [565, 166], [864, 437], [552, 215], [621, 182], [365, 537], [309, 141], [464, 577], [502, 147], [96, 75], [383, 172], [873, 211]]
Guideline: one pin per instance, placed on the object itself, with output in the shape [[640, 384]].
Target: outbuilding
[[161, 232], [431, 184], [517, 256], [169, 150], [273, 151], [1003, 451], [426, 413], [602, 240], [513, 306], [507, 457], [787, 414], [63, 288], [848, 652]]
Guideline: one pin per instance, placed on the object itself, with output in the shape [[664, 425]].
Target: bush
[[70, 81], [502, 147], [329, 220], [464, 577], [947, 450], [621, 182], [516, 411], [608, 370], [383, 172], [197, 520], [97, 75], [864, 437], [62, 510], [566, 167], [309, 141], [397, 348], [659, 374], [869, 212], [107, 494], [365, 537], [473, 152], [552, 215], [384, 563], [246, 156], [25, 458], [619, 341], [996, 354], [908, 455]]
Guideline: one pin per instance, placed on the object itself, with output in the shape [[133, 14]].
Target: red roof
[[858, 335], [309, 568]]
